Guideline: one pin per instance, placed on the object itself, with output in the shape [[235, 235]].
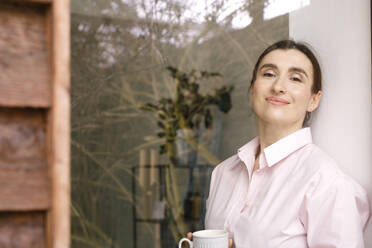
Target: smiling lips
[[276, 101]]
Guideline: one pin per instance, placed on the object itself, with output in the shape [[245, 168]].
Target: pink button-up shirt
[[297, 198]]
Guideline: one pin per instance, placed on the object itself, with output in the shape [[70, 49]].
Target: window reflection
[[120, 52], [280, 7]]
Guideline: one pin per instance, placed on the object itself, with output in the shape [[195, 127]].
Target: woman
[[281, 190]]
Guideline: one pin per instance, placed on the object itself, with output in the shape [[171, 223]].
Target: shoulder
[[226, 165], [328, 177], [333, 193], [226, 171], [321, 161], [318, 165]]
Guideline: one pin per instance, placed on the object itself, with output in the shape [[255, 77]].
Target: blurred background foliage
[[120, 51]]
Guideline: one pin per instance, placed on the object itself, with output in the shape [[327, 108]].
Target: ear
[[314, 101]]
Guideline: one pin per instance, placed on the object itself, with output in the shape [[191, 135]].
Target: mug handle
[[182, 240]]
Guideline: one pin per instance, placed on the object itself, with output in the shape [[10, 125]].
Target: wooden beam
[[25, 77], [24, 190], [24, 230], [59, 118], [49, 37], [32, 1], [24, 178]]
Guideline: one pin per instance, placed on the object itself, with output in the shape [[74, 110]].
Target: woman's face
[[282, 94]]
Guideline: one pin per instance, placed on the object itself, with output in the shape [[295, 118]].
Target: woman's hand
[[189, 236]]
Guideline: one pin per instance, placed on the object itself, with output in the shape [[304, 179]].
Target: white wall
[[339, 30]]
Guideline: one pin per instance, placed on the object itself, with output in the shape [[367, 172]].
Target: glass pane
[[159, 97]]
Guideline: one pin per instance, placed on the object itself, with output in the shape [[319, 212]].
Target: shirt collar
[[247, 152], [287, 145], [277, 151]]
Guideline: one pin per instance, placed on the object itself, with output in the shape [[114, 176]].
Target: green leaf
[[148, 106], [165, 101], [163, 149], [194, 88], [172, 70], [162, 116], [208, 119], [161, 124], [225, 102]]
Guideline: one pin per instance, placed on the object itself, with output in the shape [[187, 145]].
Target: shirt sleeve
[[211, 186], [207, 220], [335, 213]]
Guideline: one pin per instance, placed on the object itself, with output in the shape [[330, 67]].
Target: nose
[[279, 85]]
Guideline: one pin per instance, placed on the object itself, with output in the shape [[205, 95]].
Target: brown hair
[[290, 44]]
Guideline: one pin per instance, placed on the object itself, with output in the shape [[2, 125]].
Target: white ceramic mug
[[207, 239]]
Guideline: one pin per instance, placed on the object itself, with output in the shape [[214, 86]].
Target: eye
[[268, 74], [297, 79]]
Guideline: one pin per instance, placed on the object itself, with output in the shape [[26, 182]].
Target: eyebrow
[[292, 69]]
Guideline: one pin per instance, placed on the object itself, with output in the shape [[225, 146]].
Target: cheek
[[255, 96], [303, 97], [252, 93], [258, 89]]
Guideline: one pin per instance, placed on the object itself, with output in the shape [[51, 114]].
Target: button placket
[[252, 190]]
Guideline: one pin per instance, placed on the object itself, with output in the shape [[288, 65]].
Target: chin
[[277, 119], [277, 115]]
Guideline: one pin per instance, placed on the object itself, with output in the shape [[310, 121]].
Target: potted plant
[[182, 115]]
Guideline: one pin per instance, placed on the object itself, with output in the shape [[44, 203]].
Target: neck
[[270, 133]]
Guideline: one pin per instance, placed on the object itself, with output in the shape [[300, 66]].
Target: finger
[[189, 235], [231, 243]]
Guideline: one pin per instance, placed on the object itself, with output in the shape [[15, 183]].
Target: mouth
[[276, 101]]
